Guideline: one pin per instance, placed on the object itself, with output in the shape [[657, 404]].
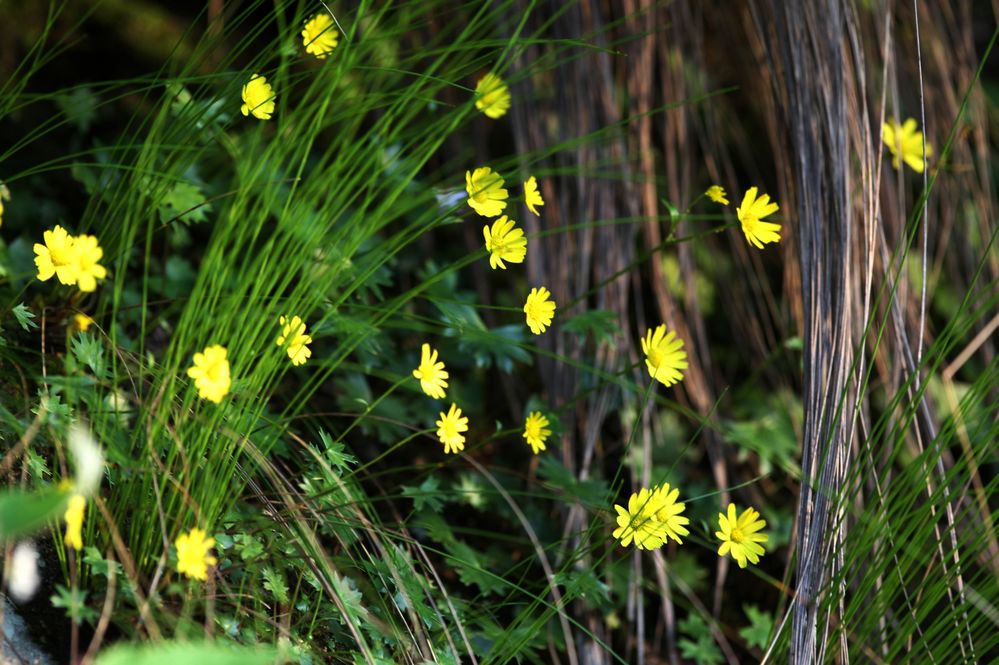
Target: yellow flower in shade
[[536, 431], [492, 96], [717, 194], [450, 428], [664, 355], [57, 256], [638, 522], [751, 212], [905, 142], [293, 334], [505, 241], [669, 512], [739, 535], [74, 521], [320, 36], [88, 270], [193, 558], [431, 373], [486, 195], [532, 197], [82, 322], [258, 98], [4, 196], [539, 310], [211, 373]]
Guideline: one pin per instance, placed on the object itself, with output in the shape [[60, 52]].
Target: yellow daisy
[[450, 428], [539, 310], [751, 212], [486, 195], [638, 521], [58, 256], [669, 512], [258, 98], [739, 535], [664, 355], [431, 373], [293, 333], [905, 142], [193, 556], [211, 373], [536, 431], [74, 521], [88, 270], [82, 322], [320, 36], [492, 96], [717, 194], [532, 197], [505, 241]]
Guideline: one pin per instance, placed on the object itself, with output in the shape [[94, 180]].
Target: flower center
[[655, 357], [737, 535]]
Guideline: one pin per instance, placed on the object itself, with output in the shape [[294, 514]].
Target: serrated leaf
[[274, 582], [757, 633], [427, 496], [24, 317], [601, 323]]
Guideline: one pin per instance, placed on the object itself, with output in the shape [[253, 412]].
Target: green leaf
[[89, 351], [184, 201], [24, 317], [601, 323], [74, 601], [274, 582], [427, 496], [757, 633], [336, 452], [172, 653], [24, 512], [699, 646], [79, 107]]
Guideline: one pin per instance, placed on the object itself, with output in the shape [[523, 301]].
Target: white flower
[[22, 572], [88, 457]]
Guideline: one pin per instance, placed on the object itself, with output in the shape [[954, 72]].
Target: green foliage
[[171, 653], [23, 512], [761, 625], [697, 643]]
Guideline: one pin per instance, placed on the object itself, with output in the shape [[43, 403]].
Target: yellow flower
[[57, 256], [536, 431], [639, 523], [258, 98], [4, 196], [293, 332], [739, 535], [905, 141], [664, 355], [450, 428], [193, 558], [539, 310], [492, 96], [750, 213], [505, 242], [532, 197], [82, 322], [431, 373], [717, 194], [88, 270], [320, 36], [669, 510], [211, 373], [486, 195], [74, 521]]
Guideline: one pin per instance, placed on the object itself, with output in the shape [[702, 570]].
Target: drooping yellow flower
[[193, 556], [258, 98], [505, 241], [906, 142], [539, 310], [638, 521], [57, 256], [751, 212], [739, 535], [717, 194], [74, 521], [492, 96], [88, 270], [669, 512], [82, 322], [450, 428], [211, 373], [320, 36], [486, 195], [664, 355], [536, 431], [532, 197], [293, 333], [431, 373]]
